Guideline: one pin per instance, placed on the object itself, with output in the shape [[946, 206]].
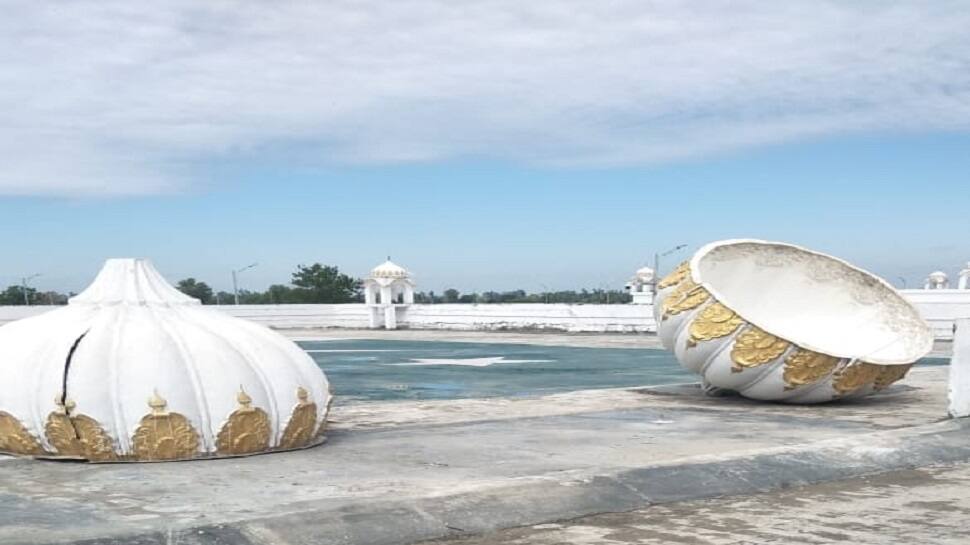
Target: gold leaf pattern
[[686, 296], [15, 438], [676, 276], [807, 367], [755, 347], [162, 435], [246, 431], [303, 422], [715, 321], [890, 374], [78, 435], [853, 377], [323, 425]]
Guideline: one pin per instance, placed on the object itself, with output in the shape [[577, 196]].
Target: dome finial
[[157, 403], [243, 398]]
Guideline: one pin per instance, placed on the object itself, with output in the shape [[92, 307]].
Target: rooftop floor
[[403, 471], [941, 348]]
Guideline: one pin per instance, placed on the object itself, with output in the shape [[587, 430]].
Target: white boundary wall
[[940, 308], [555, 317]]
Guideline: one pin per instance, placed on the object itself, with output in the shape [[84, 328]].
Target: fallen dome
[[134, 370], [775, 321]]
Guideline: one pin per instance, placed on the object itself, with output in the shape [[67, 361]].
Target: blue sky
[[485, 145], [896, 205]]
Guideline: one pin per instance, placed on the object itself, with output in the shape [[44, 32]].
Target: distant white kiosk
[[641, 286], [388, 288], [964, 282], [937, 280]]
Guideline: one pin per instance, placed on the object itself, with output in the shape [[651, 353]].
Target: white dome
[[134, 370], [938, 275], [389, 269], [645, 273], [775, 321]]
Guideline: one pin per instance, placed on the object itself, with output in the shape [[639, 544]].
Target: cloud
[[116, 98]]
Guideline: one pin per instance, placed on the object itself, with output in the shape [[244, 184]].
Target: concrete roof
[[399, 472]]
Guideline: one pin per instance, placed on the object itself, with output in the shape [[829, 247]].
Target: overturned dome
[[134, 370]]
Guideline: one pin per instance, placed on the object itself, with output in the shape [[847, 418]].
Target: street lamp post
[[656, 263], [545, 292], [24, 285], [235, 280]]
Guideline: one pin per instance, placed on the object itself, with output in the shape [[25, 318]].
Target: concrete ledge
[[395, 521]]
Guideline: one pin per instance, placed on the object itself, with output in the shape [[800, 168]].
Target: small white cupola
[[388, 288], [640, 286], [937, 280]]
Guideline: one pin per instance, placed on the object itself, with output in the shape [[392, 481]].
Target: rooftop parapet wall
[[556, 317], [468, 317], [939, 307]]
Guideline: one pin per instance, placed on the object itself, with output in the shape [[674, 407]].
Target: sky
[[482, 144]]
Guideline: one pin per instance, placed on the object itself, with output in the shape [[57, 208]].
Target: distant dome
[[938, 275], [389, 269], [134, 370], [645, 273]]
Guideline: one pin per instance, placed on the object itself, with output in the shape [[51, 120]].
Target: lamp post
[[656, 263], [545, 292], [903, 281], [24, 285], [235, 280]]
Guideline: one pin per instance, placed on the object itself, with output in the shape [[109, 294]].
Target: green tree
[[324, 284], [278, 294], [196, 289], [452, 295], [14, 295]]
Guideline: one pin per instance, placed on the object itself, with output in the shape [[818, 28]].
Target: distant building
[[388, 289], [937, 280], [641, 286]]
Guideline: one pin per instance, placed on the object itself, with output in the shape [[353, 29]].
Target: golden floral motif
[[807, 367], [246, 431], [323, 425], [15, 438], [715, 321], [299, 431], [855, 376], [890, 374], [77, 434], [755, 347], [163, 435], [676, 276], [686, 296]]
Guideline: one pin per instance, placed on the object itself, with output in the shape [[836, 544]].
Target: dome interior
[[814, 300]]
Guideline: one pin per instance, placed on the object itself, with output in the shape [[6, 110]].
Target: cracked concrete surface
[[400, 472], [927, 506]]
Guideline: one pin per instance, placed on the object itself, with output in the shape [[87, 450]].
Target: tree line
[[325, 284]]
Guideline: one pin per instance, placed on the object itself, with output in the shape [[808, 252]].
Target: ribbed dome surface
[[775, 321], [645, 273], [389, 269], [132, 369]]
